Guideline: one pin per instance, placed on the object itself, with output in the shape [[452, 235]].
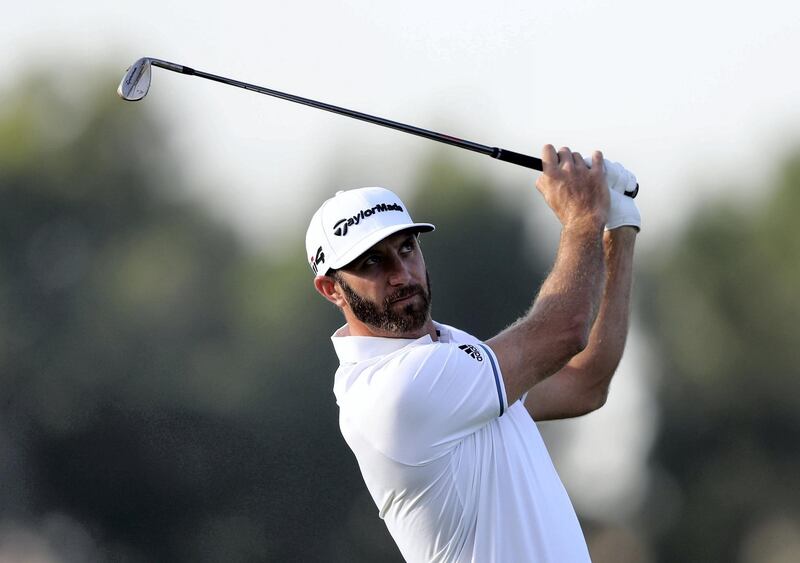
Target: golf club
[[136, 83]]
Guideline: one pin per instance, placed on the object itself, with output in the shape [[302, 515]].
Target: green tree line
[[722, 304]]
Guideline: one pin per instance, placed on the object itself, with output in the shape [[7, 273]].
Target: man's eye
[[407, 246], [371, 260]]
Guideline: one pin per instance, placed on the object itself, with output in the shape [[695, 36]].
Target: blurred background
[[165, 369]]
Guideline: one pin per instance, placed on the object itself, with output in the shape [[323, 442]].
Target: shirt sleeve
[[430, 397]]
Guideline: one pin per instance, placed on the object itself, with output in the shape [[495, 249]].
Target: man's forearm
[[607, 338], [582, 385], [558, 324], [570, 296]]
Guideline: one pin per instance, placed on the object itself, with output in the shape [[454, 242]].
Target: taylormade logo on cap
[[340, 228], [350, 223]]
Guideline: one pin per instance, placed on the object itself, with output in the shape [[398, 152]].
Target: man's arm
[[582, 385], [557, 326]]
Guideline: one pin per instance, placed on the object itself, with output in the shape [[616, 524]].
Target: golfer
[[442, 423]]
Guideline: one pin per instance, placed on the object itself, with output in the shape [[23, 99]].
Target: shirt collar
[[352, 349]]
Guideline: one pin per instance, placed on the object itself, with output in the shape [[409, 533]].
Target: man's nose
[[399, 273]]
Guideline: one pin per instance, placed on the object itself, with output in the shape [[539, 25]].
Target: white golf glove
[[623, 211]]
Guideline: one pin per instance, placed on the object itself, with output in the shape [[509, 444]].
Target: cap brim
[[374, 238]]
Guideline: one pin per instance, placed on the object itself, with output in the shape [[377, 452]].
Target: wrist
[[622, 233], [621, 237], [585, 225]]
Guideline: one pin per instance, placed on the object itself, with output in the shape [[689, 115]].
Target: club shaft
[[494, 152]]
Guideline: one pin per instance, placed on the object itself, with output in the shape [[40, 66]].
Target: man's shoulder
[[395, 364], [388, 363], [404, 359], [456, 335], [412, 356]]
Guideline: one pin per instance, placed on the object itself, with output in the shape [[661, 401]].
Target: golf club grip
[[519, 159], [536, 164]]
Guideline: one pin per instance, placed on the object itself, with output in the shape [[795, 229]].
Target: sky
[[687, 95], [697, 98]]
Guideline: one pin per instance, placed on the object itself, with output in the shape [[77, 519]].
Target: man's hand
[[577, 194], [619, 179], [623, 211]]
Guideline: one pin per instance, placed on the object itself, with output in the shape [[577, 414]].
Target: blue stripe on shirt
[[496, 377]]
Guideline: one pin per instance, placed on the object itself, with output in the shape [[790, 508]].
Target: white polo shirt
[[457, 474]]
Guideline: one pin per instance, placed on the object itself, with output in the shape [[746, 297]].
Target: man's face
[[387, 288]]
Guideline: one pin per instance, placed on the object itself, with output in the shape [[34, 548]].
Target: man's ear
[[326, 286]]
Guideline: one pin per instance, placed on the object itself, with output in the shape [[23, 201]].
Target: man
[[442, 424]]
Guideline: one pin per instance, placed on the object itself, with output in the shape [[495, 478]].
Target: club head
[[136, 82]]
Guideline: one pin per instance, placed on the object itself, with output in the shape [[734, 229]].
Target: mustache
[[404, 292]]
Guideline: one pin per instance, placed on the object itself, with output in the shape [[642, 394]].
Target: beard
[[384, 316]]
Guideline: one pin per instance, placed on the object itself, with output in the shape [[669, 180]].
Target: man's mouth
[[405, 297]]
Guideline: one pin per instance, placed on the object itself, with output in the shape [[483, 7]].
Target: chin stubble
[[384, 316]]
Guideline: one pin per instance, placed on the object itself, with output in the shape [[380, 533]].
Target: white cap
[[350, 223]]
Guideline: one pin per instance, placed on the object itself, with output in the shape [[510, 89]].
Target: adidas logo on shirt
[[472, 351]]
